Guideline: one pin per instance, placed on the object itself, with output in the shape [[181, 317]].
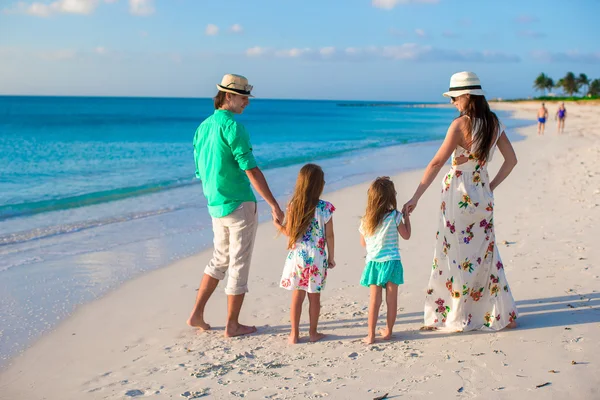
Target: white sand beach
[[134, 342]]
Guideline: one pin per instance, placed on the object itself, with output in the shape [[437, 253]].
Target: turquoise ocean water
[[95, 191]]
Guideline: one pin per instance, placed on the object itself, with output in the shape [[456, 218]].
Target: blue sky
[[401, 50]]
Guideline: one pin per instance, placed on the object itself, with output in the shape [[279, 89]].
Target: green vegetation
[[570, 84]]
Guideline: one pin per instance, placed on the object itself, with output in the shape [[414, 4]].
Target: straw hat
[[235, 84], [464, 83]]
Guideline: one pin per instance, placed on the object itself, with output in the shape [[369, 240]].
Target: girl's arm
[[404, 227], [510, 160], [329, 239], [280, 227], [453, 137], [363, 243]]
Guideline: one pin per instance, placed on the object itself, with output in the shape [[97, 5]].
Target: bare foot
[[428, 328], [293, 339], [512, 325], [239, 330], [199, 323], [369, 340], [385, 334], [316, 337]]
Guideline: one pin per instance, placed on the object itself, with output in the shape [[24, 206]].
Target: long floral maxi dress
[[468, 289]]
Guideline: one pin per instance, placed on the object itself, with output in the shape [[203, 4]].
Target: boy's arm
[[329, 239], [258, 182]]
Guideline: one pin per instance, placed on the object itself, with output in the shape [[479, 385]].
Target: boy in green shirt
[[228, 170]]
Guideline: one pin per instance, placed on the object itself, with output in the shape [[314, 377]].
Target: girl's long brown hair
[[381, 199], [301, 208], [482, 124]]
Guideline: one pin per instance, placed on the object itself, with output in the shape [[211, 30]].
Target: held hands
[[277, 214], [409, 207]]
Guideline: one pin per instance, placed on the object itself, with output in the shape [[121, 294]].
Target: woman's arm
[[510, 160], [453, 137], [329, 238]]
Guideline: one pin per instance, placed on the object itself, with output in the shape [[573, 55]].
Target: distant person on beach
[[309, 228], [561, 115], [542, 116], [379, 229], [468, 288], [226, 166]]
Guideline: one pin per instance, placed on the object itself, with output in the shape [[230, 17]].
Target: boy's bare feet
[[199, 323], [316, 337], [369, 339], [293, 339], [385, 334], [239, 330]]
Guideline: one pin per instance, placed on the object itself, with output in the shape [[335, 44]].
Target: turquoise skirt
[[380, 273]]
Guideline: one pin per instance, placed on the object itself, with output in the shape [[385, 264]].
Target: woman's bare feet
[[385, 333], [293, 339], [315, 337], [199, 323], [428, 328], [239, 330], [369, 339], [512, 325]]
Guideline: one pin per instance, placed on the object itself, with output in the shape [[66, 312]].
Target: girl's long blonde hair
[[381, 199], [301, 208]]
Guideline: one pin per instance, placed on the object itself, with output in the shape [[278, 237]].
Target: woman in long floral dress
[[468, 289]]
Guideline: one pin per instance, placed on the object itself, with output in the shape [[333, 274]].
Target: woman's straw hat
[[235, 84], [464, 83]]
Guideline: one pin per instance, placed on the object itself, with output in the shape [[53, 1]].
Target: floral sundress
[[306, 264], [468, 289]]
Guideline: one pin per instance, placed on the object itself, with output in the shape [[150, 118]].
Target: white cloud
[[572, 56], [257, 51], [236, 28], [327, 51], [39, 9], [389, 4], [405, 52], [100, 50], [211, 30], [58, 55], [141, 7], [420, 33]]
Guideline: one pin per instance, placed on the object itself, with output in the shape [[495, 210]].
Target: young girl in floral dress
[[309, 227], [379, 230]]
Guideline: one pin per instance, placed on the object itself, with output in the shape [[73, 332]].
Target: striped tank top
[[383, 244]]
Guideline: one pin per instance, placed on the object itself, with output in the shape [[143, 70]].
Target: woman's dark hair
[[220, 99], [483, 125]]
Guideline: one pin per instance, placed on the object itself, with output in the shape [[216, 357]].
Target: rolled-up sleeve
[[239, 142]]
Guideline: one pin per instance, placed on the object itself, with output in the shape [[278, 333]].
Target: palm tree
[[549, 84], [583, 80], [570, 84], [541, 83], [594, 88], [559, 83]]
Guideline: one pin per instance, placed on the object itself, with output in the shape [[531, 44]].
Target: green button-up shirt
[[222, 152]]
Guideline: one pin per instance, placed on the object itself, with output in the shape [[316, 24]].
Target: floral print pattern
[[306, 264], [468, 288]]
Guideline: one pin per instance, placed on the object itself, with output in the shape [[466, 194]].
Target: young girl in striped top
[[379, 229]]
